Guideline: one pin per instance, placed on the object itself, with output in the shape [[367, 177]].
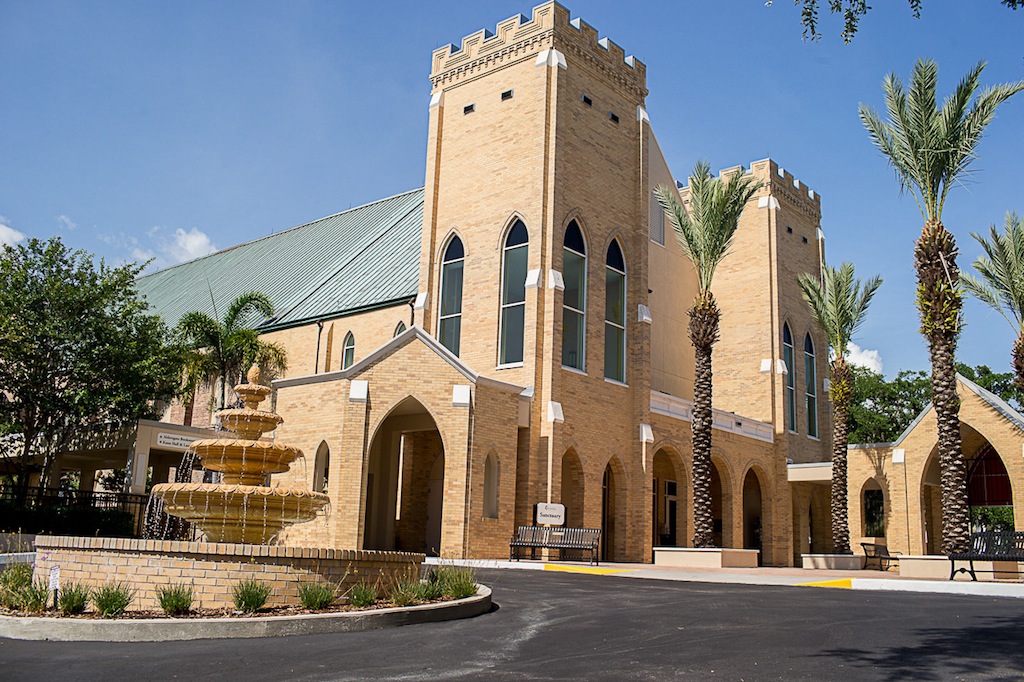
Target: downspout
[[412, 311], [319, 332]]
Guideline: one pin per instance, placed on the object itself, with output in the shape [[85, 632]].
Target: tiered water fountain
[[242, 508]]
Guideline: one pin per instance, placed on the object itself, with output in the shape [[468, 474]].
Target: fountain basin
[[248, 423], [245, 462], [239, 513]]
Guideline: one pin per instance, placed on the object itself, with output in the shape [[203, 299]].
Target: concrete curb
[[976, 589], [179, 629]]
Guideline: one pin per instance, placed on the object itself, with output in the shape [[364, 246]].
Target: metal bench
[[554, 537], [997, 545], [879, 553]]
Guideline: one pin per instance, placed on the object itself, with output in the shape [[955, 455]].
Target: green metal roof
[[364, 258]]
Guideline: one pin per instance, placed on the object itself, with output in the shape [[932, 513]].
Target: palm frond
[[706, 229], [1000, 281], [839, 302], [247, 304]]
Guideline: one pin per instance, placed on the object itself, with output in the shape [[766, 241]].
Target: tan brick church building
[[515, 332]]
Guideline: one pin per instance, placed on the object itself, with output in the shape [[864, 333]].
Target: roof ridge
[[286, 230]]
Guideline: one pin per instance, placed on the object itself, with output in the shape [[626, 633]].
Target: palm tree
[[705, 231], [224, 349], [839, 303], [1001, 281], [931, 148]]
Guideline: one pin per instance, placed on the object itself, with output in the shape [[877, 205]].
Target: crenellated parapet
[[519, 37], [782, 184]]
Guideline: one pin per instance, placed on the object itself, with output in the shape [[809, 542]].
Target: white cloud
[[66, 223], [187, 245], [871, 359], [8, 235]]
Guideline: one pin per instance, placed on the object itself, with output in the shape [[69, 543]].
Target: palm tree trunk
[[1018, 360], [704, 317], [939, 302], [840, 391]]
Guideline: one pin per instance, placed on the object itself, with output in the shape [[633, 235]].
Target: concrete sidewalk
[[784, 576]]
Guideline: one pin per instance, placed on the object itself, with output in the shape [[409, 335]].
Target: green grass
[[249, 596], [112, 599], [13, 580], [455, 582], [73, 598], [318, 595], [362, 595], [405, 593], [175, 599]]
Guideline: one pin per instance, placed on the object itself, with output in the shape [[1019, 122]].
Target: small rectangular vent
[[587, 101], [469, 109], [613, 117], [506, 95]]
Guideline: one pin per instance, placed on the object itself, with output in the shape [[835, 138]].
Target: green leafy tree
[[839, 303], [224, 349], [1003, 384], [1000, 281], [880, 410], [931, 148], [853, 11], [78, 349], [705, 230]]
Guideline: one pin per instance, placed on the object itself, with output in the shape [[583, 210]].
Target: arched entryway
[[668, 500], [404, 482], [753, 513], [613, 511], [572, 489]]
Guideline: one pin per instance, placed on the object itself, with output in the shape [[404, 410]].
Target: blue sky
[[167, 128]]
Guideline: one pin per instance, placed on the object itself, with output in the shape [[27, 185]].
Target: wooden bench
[[554, 537], [879, 553], [997, 545]]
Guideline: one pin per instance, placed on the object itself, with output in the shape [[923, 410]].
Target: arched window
[[873, 506], [574, 301], [811, 390], [788, 358], [450, 312], [399, 328], [348, 353], [615, 314], [513, 295], [320, 467], [492, 477]]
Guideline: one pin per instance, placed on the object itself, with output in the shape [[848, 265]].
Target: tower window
[[787, 357], [811, 390], [469, 109], [348, 354], [587, 101], [513, 295], [506, 95], [804, 239], [615, 314], [613, 117], [450, 314], [574, 300], [789, 230]]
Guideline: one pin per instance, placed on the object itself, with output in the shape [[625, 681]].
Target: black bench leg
[[973, 577]]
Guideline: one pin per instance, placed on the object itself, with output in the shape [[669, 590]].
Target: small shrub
[[362, 595], [175, 599], [112, 599], [32, 597], [13, 579], [405, 593], [318, 595], [250, 595], [73, 598], [429, 590], [455, 583]]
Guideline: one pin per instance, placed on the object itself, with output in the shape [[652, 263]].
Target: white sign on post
[[54, 578], [174, 440], [550, 514]]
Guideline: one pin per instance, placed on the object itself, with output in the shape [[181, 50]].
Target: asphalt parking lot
[[554, 625]]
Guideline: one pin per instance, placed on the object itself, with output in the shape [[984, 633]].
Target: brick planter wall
[[213, 569]]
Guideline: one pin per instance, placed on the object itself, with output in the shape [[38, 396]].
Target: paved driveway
[[553, 625]]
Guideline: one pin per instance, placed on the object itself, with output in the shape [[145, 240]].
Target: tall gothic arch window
[[450, 315], [811, 390], [348, 354], [788, 356], [574, 301], [615, 314], [513, 294]]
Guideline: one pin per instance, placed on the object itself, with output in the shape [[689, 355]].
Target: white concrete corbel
[[358, 391], [533, 279], [899, 456], [555, 280], [437, 99], [460, 395], [646, 433], [643, 314], [766, 365], [551, 57], [421, 300], [555, 412]]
